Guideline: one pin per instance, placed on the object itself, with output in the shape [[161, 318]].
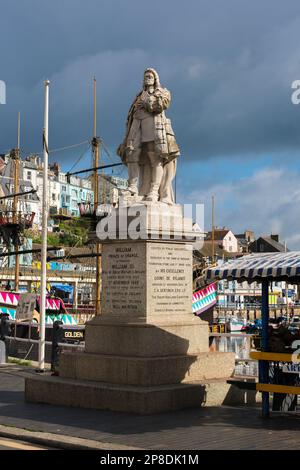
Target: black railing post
[[57, 337], [5, 330]]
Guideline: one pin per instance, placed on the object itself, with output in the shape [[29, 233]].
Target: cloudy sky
[[228, 64]]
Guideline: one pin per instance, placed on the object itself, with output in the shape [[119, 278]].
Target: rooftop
[[270, 241], [219, 233]]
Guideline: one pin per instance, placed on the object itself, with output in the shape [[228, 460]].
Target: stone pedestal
[[146, 352]]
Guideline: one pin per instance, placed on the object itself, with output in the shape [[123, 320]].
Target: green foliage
[[34, 235], [72, 232], [53, 239], [20, 362]]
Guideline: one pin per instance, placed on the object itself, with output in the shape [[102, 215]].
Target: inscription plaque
[[123, 279], [169, 278], [145, 279]]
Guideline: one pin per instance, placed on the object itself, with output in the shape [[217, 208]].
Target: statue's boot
[[167, 199], [157, 174], [133, 177], [153, 194]]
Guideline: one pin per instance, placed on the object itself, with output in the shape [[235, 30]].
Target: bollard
[[57, 337], [5, 330], [3, 356]]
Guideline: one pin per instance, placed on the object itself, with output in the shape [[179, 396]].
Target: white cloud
[[196, 70], [267, 202]]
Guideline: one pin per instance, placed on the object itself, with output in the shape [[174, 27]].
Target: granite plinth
[[110, 335]]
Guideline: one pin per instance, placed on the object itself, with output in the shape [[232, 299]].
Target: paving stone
[[207, 428]]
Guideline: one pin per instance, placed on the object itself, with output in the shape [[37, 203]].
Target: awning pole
[[264, 365]]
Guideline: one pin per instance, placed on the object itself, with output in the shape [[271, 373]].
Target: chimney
[[55, 168], [275, 238]]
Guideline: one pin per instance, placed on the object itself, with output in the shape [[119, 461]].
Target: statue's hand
[[142, 101], [139, 104], [157, 106]]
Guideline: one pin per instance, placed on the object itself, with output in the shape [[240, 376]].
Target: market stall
[[265, 268]]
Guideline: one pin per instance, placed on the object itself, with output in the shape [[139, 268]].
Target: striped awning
[[258, 266]]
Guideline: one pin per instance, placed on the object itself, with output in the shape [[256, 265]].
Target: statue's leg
[[133, 156], [145, 173], [156, 172], [166, 193]]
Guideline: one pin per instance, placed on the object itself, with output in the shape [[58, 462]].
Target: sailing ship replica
[[14, 215], [15, 218]]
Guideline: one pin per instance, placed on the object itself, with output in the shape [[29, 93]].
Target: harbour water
[[240, 344]]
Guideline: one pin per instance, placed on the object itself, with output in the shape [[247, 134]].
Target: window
[[64, 189], [230, 248], [29, 175], [53, 197]]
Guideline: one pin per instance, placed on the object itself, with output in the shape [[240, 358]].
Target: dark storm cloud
[[229, 66]]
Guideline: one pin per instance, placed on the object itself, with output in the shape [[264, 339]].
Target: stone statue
[[149, 149]]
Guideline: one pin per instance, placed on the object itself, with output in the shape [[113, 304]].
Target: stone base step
[[130, 399], [146, 371]]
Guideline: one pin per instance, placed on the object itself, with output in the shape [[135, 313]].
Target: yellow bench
[[278, 389], [271, 356], [280, 357]]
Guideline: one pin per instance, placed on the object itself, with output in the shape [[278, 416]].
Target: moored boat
[[234, 324]]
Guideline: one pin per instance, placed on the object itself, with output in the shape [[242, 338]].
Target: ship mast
[[96, 153], [16, 166], [213, 230]]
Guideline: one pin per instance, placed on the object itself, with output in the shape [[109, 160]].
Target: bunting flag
[[49, 319], [204, 299], [10, 299], [53, 304], [8, 311], [65, 318]]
